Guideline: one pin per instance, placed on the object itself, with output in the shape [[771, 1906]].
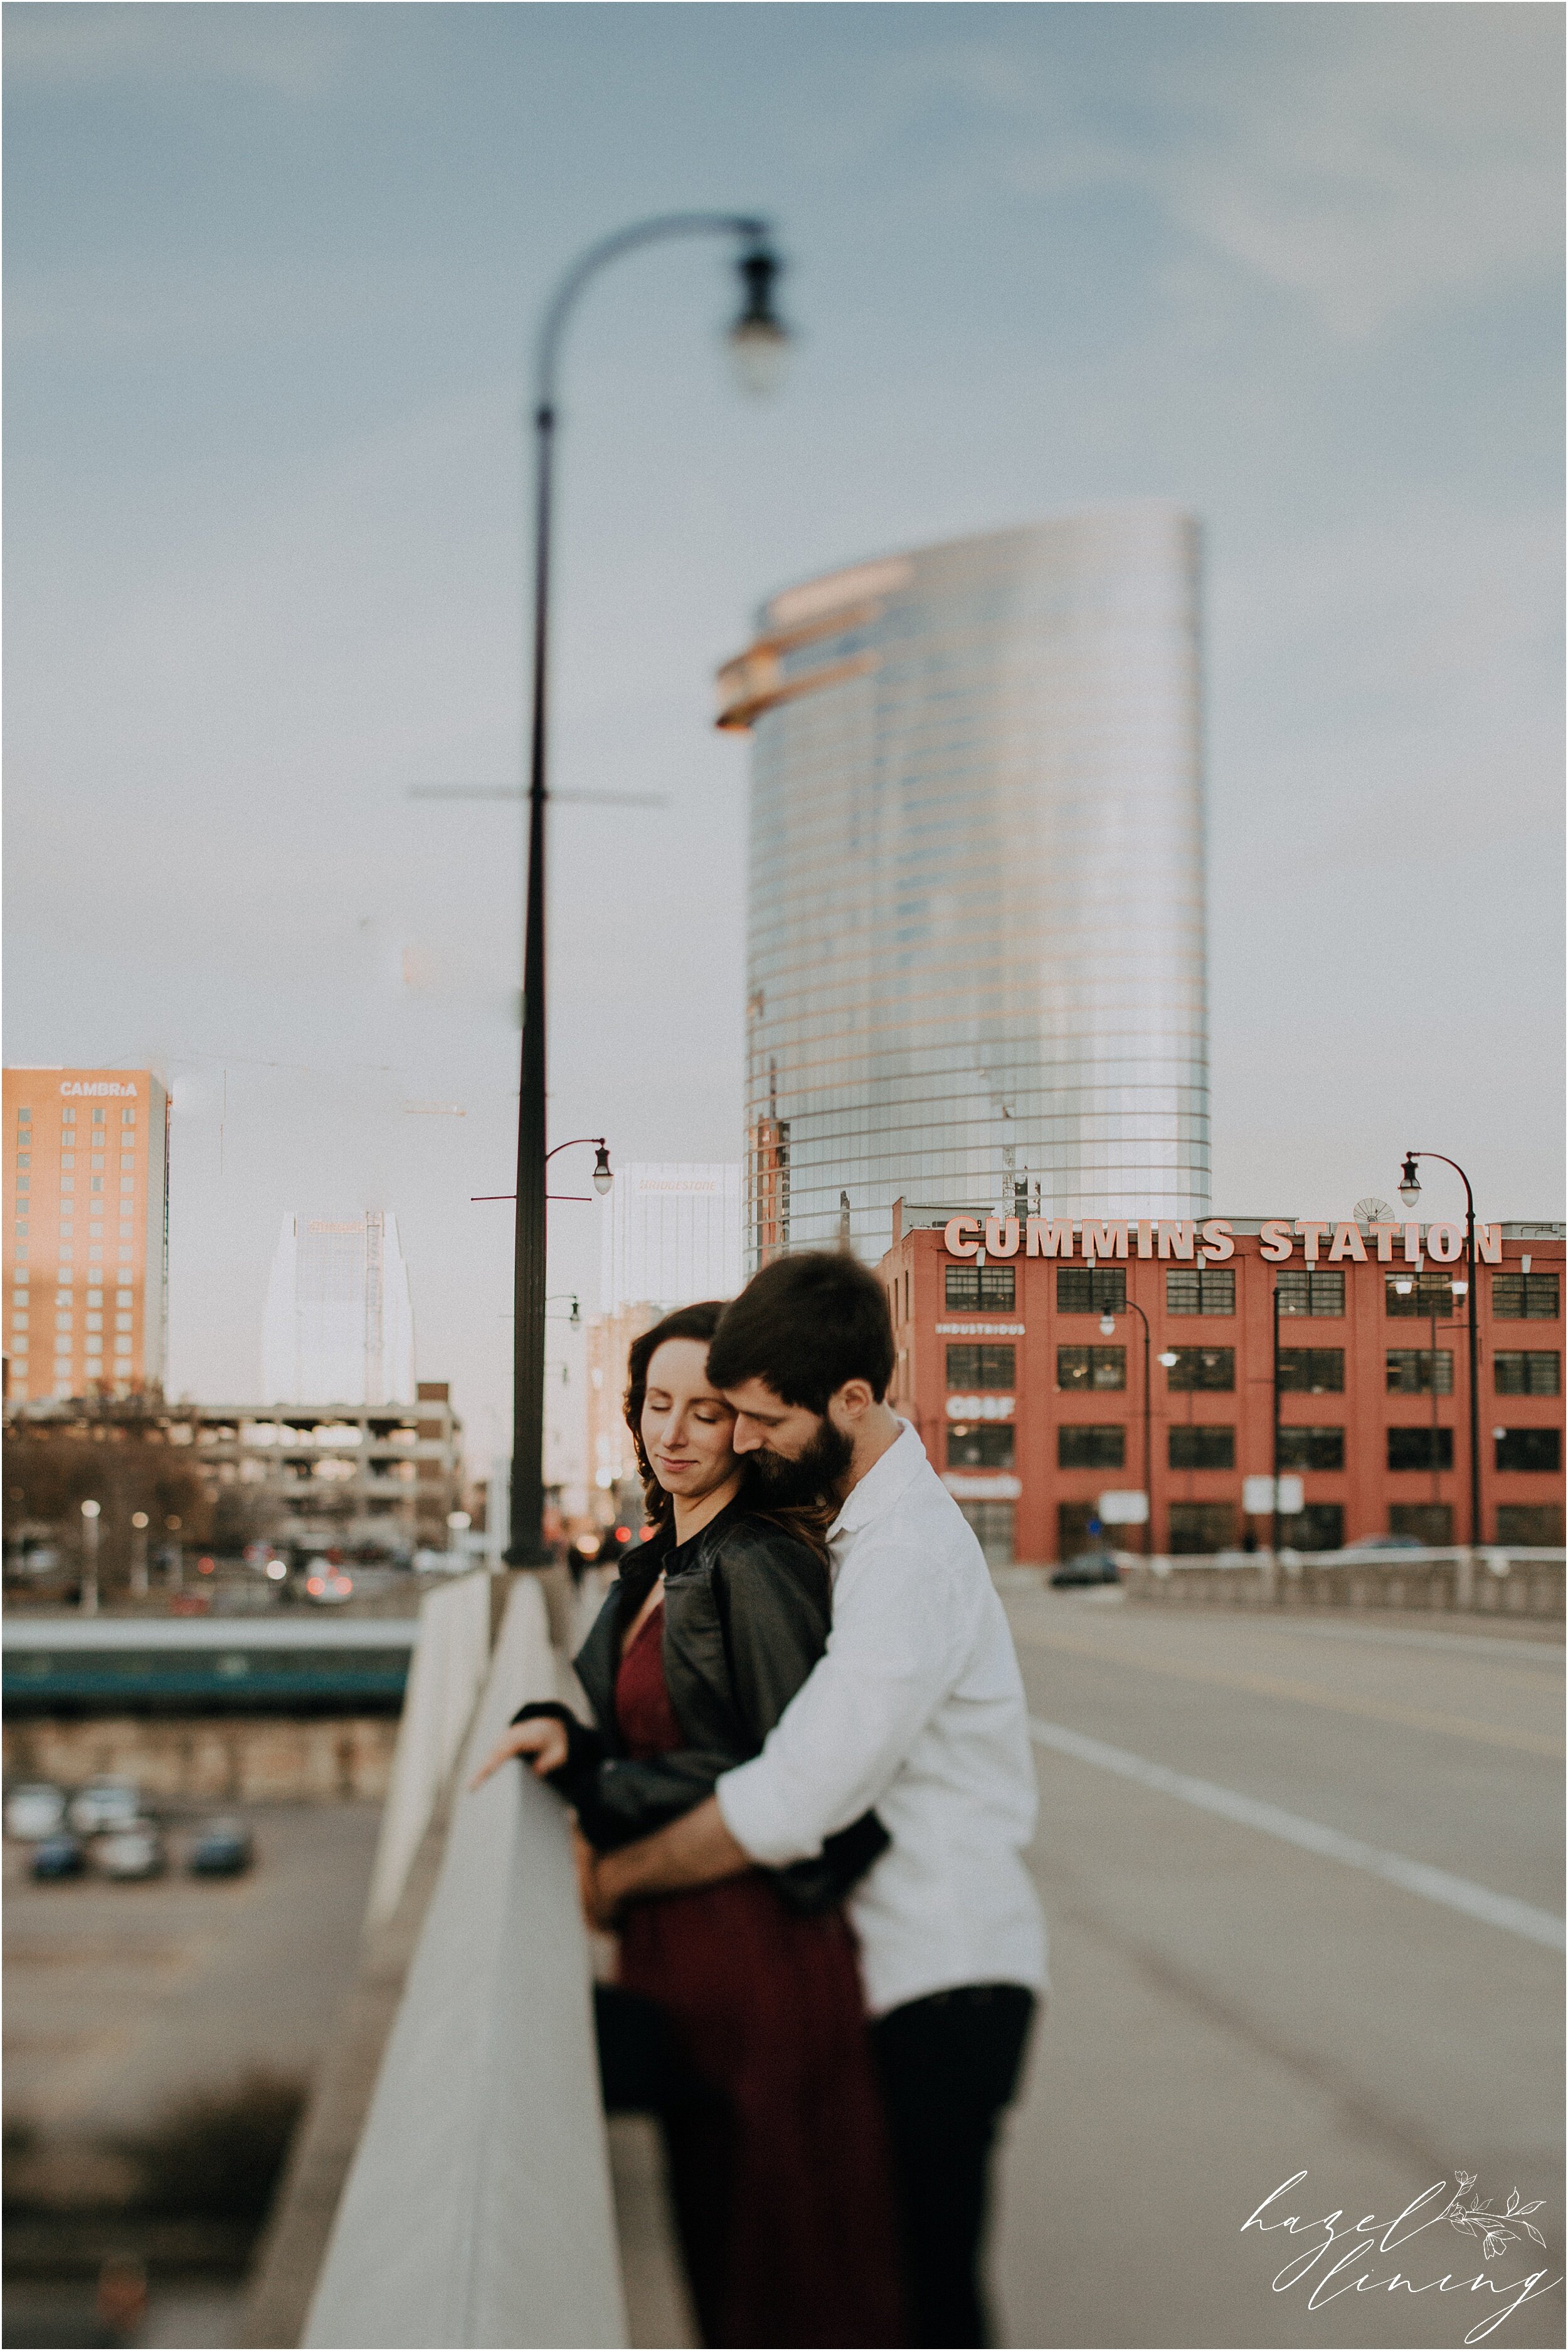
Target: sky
[[271, 279]]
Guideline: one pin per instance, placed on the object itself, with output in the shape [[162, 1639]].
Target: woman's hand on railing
[[542, 1741], [598, 1909]]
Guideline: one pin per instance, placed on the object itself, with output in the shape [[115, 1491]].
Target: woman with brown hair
[[778, 2167]]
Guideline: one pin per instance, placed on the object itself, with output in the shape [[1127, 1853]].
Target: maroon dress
[[780, 2183]]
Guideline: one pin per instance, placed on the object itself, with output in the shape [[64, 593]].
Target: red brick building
[[1032, 1409]]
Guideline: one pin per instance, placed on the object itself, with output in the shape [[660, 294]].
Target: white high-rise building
[[339, 1327], [673, 1235], [975, 954]]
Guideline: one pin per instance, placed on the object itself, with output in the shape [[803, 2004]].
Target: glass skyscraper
[[976, 882], [338, 1326]]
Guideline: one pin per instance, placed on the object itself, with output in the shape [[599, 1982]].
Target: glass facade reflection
[[977, 891]]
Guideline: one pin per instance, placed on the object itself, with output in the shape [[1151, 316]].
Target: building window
[[1524, 1297], [1079, 1446], [1410, 1371], [1091, 1289], [987, 1446], [1317, 1293], [981, 1367], [1195, 1446], [1202, 1368], [1539, 1524], [1429, 1294], [1429, 1522], [992, 1525], [1529, 1449], [1205, 1290], [1201, 1527], [1090, 1368], [992, 1286], [1319, 1527], [1538, 1372], [1311, 1448], [1412, 1449], [1073, 1522]]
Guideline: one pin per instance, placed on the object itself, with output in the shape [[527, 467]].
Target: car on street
[[134, 1851], [62, 1855], [35, 1811], [222, 1849], [104, 1804], [1088, 1567], [327, 1585], [1387, 1542]]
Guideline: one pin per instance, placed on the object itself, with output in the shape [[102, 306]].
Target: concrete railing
[[478, 2208], [1498, 1581], [447, 1668], [466, 2198]]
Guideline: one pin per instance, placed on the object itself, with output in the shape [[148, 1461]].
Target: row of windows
[[67, 1156], [1303, 1370], [68, 1120], [1085, 1445], [1211, 1289], [1200, 1527]]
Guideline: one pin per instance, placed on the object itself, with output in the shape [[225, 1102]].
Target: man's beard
[[784, 1485]]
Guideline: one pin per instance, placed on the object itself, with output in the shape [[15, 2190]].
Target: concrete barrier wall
[[216, 1759], [445, 1677], [1490, 1581], [477, 2209]]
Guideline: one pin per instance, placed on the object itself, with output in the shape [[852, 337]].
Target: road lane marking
[[1410, 1717], [1227, 1805], [1495, 1648]]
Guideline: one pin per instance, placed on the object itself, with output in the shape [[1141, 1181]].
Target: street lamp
[[1107, 1326], [1410, 1191], [756, 341], [89, 1518], [139, 1555]]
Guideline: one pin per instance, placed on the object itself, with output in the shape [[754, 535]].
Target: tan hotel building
[[1023, 1366], [87, 1233]]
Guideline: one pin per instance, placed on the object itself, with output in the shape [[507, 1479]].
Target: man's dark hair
[[804, 1325]]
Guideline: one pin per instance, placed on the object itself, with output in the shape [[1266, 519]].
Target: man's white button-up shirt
[[917, 1709]]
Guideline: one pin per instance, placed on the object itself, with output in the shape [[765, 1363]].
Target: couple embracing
[[804, 1803]]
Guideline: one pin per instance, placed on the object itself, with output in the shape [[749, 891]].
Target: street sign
[[1258, 1497], [1130, 1508]]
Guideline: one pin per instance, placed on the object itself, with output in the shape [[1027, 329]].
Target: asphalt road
[[122, 1999], [1247, 1991]]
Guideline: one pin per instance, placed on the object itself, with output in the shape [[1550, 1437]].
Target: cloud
[[1371, 161], [289, 52]]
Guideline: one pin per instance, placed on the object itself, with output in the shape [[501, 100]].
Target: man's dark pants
[[949, 2064]]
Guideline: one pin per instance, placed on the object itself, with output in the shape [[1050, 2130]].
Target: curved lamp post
[[1107, 1329], [1410, 1191], [757, 341]]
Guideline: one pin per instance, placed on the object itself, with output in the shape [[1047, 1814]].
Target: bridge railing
[[466, 2198], [1501, 1580]]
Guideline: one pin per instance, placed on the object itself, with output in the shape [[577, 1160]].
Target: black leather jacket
[[746, 1617]]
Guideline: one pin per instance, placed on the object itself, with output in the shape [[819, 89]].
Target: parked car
[[1088, 1567], [63, 1855], [134, 1851], [104, 1804], [223, 1849], [35, 1811], [1387, 1542], [327, 1585]]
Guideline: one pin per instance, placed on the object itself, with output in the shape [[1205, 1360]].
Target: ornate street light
[[1410, 1191], [1107, 1328], [757, 342]]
